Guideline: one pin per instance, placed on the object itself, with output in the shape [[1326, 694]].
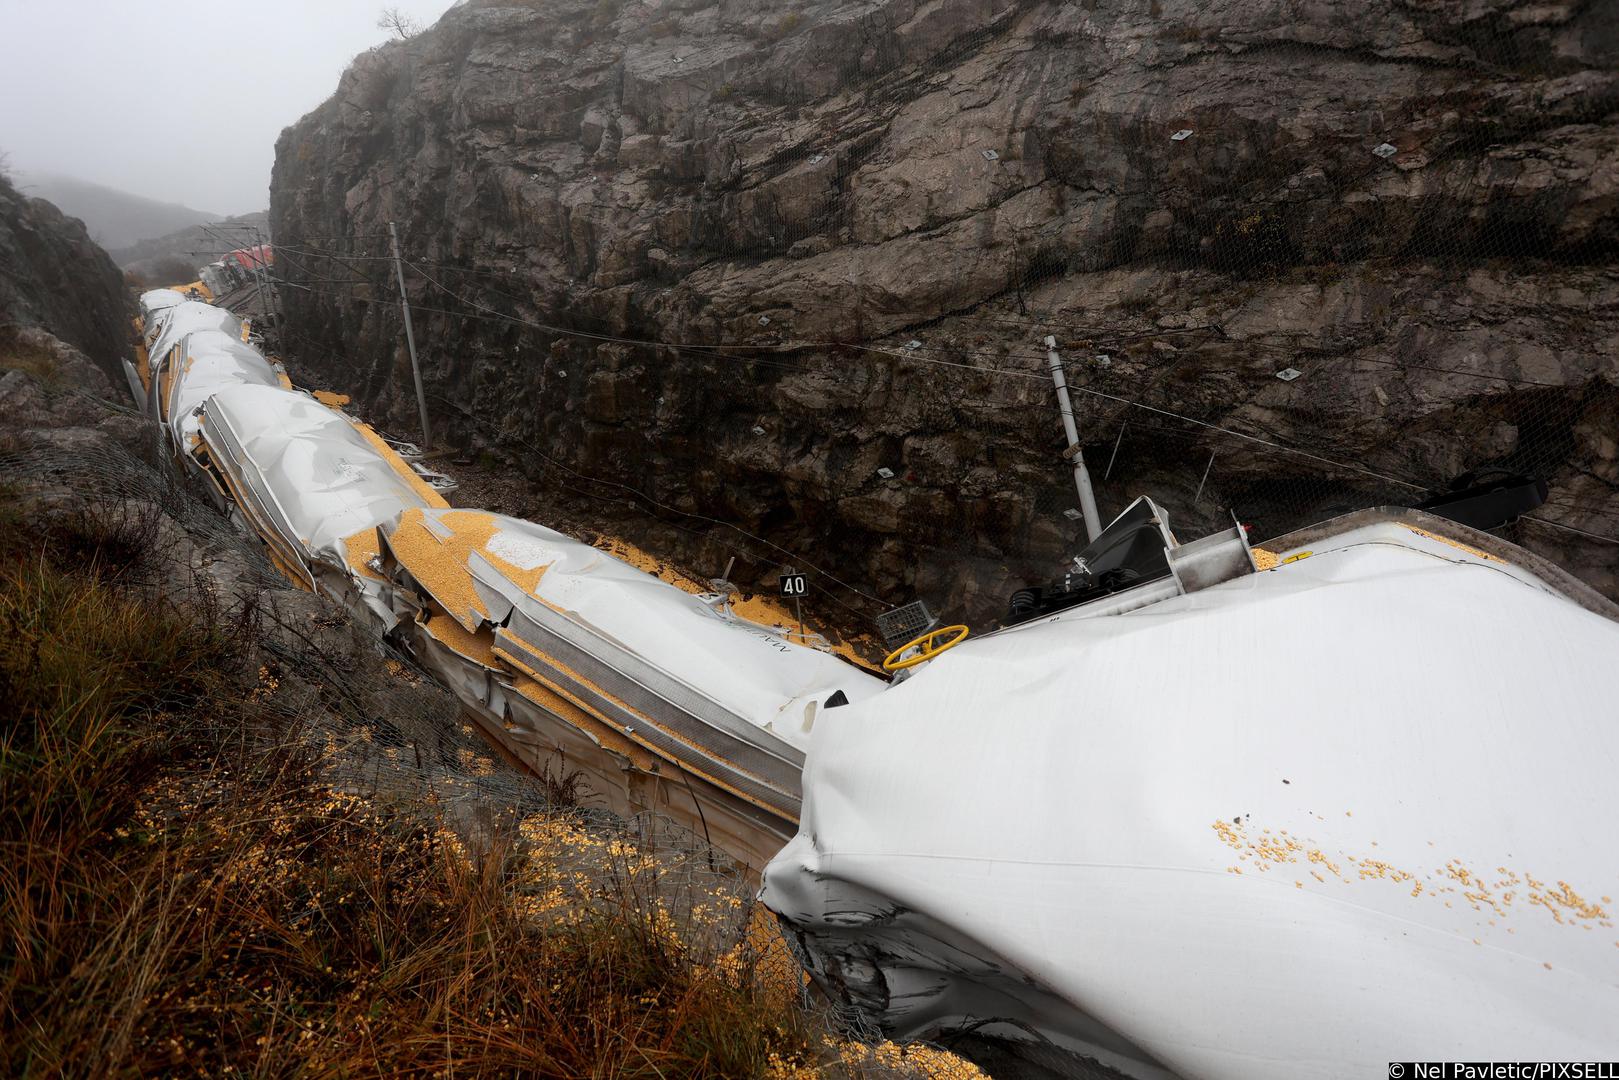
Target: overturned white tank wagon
[[668, 700], [570, 658], [1347, 804], [310, 482]]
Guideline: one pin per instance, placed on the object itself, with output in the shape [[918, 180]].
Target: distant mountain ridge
[[113, 218], [175, 256]]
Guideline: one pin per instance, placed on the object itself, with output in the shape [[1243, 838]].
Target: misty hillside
[[113, 218], [175, 256]]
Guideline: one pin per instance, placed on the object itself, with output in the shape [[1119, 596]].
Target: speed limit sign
[[794, 585]]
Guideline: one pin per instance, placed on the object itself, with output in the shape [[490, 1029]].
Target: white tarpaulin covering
[[167, 326], [749, 671], [1353, 810], [158, 300], [210, 361], [315, 474]]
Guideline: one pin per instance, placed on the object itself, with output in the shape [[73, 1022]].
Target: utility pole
[[221, 233], [1082, 476], [410, 336], [262, 242], [261, 279]]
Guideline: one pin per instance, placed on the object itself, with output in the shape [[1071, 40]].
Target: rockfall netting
[[384, 734], [788, 286]]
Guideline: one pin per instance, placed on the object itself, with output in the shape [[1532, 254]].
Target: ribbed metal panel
[[751, 770], [229, 456], [647, 687]]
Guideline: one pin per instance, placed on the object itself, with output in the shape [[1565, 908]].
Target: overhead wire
[[656, 503], [922, 355], [1569, 528], [720, 351], [648, 499]]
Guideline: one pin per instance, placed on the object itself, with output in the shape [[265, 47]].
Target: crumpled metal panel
[[319, 480], [734, 674], [728, 697], [753, 773], [166, 327], [210, 361], [1348, 810], [155, 301]]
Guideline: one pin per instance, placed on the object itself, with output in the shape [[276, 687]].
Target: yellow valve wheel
[[929, 644]]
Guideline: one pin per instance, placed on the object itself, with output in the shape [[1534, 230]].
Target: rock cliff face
[[54, 278], [849, 227]]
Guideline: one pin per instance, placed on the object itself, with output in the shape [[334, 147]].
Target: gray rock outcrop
[[1415, 206], [54, 277]]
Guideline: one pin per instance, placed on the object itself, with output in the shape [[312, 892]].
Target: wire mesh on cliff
[[1296, 265], [383, 734]]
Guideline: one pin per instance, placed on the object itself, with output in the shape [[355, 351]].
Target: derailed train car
[[567, 656], [1297, 812], [701, 714], [1302, 810]]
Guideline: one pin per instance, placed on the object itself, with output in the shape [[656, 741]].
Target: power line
[[1113, 333], [704, 352], [654, 502], [916, 353], [1250, 438], [717, 351], [1569, 528], [919, 355], [1116, 333]]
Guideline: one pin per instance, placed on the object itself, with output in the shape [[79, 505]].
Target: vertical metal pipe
[[410, 336], [1082, 476], [261, 280], [1199, 496], [263, 241]]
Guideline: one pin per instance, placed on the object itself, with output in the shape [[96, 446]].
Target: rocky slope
[[175, 257], [114, 218], [55, 281], [1416, 206]]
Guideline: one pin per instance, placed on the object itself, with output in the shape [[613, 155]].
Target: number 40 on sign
[[794, 585]]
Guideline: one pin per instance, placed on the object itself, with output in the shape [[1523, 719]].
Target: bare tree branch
[[398, 22]]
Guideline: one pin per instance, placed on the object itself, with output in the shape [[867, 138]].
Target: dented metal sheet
[[167, 326], [155, 301], [733, 700], [732, 673], [207, 362], [318, 479], [1299, 823]]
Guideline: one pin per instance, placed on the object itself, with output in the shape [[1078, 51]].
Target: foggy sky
[[80, 80]]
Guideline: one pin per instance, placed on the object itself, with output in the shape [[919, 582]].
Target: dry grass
[[184, 890], [17, 354]]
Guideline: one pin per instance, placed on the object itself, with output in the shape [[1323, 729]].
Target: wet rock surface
[[54, 277], [1416, 208], [75, 461]]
